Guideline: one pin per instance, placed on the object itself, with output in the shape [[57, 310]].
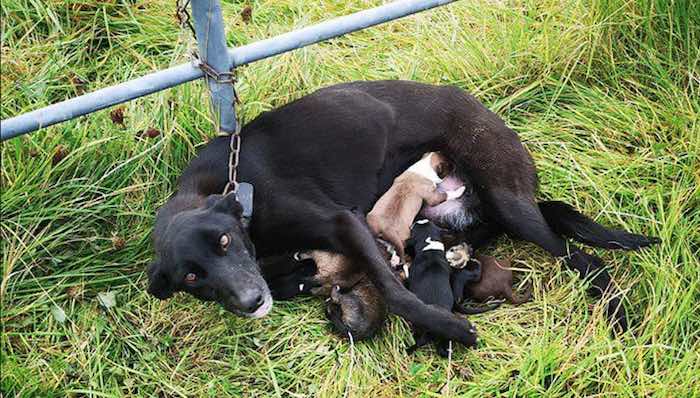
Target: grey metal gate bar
[[211, 39], [170, 77]]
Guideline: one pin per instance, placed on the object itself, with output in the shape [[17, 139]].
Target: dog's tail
[[566, 221]]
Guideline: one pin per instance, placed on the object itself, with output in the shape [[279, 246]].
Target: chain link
[[185, 20]]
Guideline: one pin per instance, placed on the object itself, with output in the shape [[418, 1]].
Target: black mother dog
[[316, 159]]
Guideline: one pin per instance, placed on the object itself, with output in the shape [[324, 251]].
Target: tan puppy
[[391, 217]]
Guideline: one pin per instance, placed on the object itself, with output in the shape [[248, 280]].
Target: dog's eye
[[224, 241], [191, 277]]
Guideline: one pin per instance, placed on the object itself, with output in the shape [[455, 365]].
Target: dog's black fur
[[313, 160], [429, 278]]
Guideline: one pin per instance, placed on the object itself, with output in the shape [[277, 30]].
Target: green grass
[[604, 93]]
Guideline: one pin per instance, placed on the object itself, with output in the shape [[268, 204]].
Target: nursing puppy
[[358, 311], [496, 283], [429, 277], [391, 217], [354, 304], [465, 269], [287, 276]]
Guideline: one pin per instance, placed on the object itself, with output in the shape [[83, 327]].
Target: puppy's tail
[[566, 221], [474, 310]]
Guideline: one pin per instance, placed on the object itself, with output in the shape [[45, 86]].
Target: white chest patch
[[424, 169], [433, 245]]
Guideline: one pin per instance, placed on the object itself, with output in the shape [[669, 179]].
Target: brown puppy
[[355, 305], [391, 217], [359, 311], [496, 282]]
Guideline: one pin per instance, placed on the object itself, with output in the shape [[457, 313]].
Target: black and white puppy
[[429, 277], [288, 276]]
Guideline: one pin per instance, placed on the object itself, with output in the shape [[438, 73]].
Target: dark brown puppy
[[357, 312], [496, 283], [354, 304]]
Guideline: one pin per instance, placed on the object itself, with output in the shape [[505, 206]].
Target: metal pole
[[170, 77], [211, 39]]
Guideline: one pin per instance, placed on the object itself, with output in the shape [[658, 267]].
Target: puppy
[[465, 269], [496, 283], [469, 273], [391, 217], [429, 278], [354, 304], [358, 310], [288, 277], [459, 255]]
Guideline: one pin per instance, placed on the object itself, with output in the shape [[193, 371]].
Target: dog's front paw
[[443, 348], [462, 331]]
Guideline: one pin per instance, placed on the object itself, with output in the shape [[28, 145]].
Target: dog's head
[[206, 252]]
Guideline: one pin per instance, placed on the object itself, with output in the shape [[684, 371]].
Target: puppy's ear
[[225, 204], [410, 248], [159, 284], [410, 242]]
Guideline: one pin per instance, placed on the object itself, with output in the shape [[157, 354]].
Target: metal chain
[[219, 77], [184, 19], [183, 16], [234, 146]]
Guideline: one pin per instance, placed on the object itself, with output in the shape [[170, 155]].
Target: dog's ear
[[159, 284], [225, 204], [212, 200]]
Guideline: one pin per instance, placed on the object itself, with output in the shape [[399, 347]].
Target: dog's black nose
[[251, 301]]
